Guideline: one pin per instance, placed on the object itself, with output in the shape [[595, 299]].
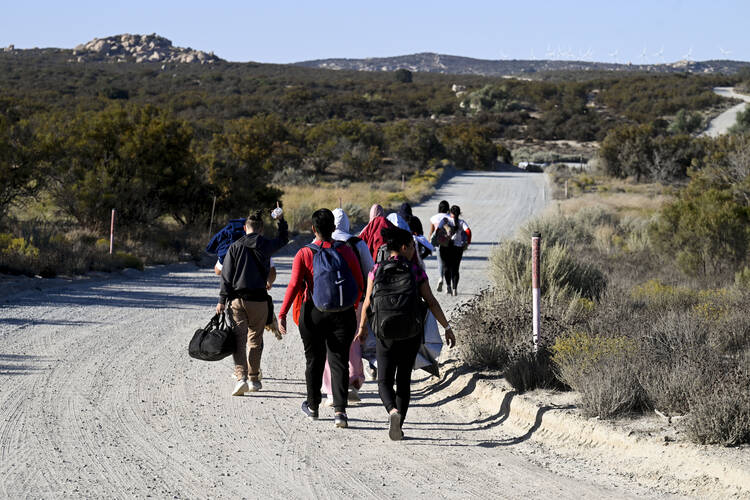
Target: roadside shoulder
[[648, 448]]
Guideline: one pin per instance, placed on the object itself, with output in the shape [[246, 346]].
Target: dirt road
[[98, 398], [721, 124]]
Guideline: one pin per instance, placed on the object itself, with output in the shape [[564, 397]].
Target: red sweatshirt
[[299, 289]]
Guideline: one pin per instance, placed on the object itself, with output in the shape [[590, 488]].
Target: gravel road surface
[[98, 397], [721, 124]]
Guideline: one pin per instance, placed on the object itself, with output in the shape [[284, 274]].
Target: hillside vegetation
[[157, 142]]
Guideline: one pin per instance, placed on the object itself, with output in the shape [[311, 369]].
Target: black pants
[[451, 256], [396, 360], [328, 333]]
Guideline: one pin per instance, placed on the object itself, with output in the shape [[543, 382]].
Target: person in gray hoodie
[[244, 277]]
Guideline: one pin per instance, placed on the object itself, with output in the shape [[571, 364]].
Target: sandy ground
[[98, 398], [721, 124]]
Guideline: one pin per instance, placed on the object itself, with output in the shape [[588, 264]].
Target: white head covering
[[398, 221], [341, 233]]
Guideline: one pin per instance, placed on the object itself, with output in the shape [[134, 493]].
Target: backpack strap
[[352, 243]]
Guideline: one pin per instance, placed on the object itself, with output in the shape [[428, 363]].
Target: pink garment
[[356, 372], [376, 211]]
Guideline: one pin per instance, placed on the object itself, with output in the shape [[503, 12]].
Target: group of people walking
[[353, 297]]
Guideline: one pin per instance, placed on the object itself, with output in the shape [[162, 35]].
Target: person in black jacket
[[243, 286]]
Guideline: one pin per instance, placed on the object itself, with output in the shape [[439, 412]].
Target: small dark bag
[[215, 341]]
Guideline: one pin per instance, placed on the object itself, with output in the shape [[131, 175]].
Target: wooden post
[[403, 182], [112, 233], [566, 189], [211, 224], [535, 288]]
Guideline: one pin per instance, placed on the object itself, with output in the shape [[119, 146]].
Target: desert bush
[[742, 279], [601, 370], [675, 360], [128, 260], [562, 276], [556, 230], [709, 229], [579, 310], [494, 327], [356, 214], [655, 294], [527, 370], [721, 414]]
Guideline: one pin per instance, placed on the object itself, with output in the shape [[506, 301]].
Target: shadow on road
[[21, 364]]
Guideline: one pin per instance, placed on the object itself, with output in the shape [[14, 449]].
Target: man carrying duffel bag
[[243, 285]]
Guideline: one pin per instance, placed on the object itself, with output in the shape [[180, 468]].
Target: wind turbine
[[725, 53], [643, 55], [586, 55], [550, 53], [689, 55], [503, 55], [613, 55], [658, 55]]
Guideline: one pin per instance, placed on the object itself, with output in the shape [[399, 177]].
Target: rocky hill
[[139, 48], [439, 63]]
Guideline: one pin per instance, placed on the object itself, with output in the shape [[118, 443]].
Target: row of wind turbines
[[646, 58]]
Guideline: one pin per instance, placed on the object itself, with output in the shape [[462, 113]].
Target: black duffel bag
[[215, 341]]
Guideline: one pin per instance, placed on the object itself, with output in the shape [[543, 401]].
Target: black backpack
[[214, 342], [396, 308]]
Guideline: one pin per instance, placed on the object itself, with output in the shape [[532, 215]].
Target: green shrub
[[11, 246], [128, 260], [658, 295]]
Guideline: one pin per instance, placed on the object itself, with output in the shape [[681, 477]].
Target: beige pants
[[250, 320]]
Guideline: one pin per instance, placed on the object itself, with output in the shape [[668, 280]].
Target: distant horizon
[[641, 32], [392, 56]]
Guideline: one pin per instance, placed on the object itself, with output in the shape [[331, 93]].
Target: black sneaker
[[341, 421], [309, 412], [394, 426]]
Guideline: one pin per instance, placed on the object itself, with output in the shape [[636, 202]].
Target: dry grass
[[301, 200]]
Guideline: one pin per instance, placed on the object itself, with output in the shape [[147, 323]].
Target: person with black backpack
[[397, 290], [327, 280], [244, 280]]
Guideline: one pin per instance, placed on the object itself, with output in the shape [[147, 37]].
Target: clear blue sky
[[285, 31]]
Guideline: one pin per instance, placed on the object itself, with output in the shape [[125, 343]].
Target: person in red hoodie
[[322, 332], [371, 234]]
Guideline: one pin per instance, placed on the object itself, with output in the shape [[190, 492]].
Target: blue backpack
[[334, 287]]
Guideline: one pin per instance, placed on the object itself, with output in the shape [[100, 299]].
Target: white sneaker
[[255, 386], [240, 388], [371, 373], [328, 401], [354, 394]]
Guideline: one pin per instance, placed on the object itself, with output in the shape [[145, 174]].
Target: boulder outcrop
[[140, 48]]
